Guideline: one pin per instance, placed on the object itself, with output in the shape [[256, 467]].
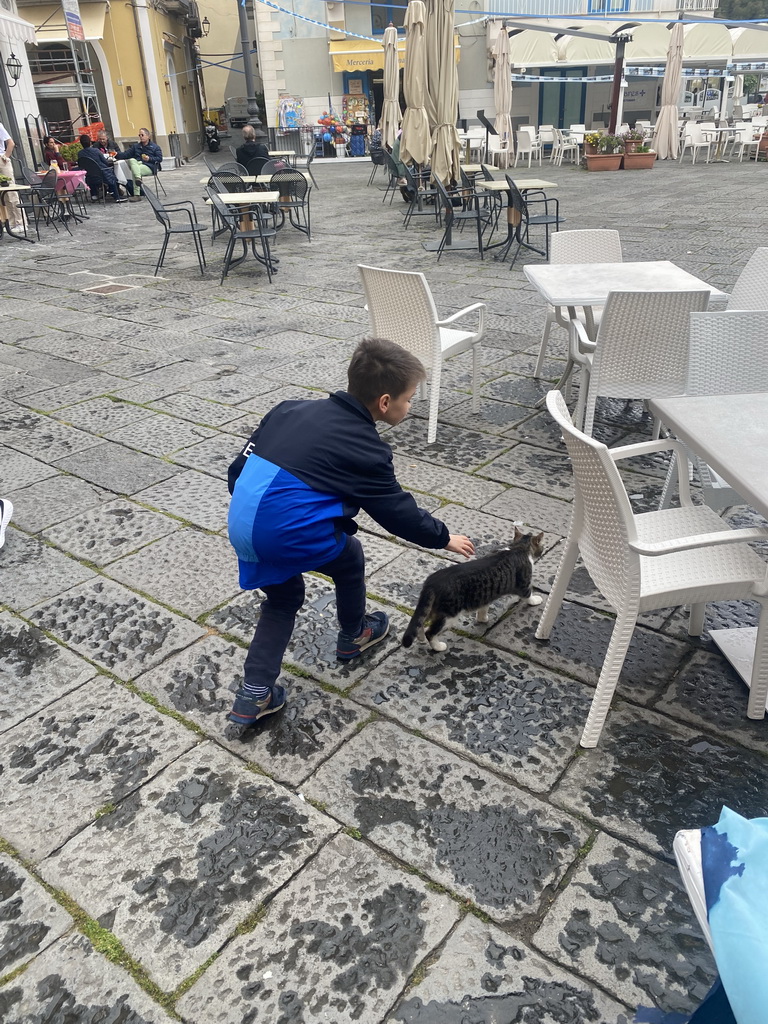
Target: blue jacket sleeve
[[130, 153]]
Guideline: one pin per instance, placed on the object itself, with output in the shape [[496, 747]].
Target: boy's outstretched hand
[[461, 545]]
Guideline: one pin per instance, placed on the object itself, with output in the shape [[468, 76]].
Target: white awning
[[16, 30], [50, 26]]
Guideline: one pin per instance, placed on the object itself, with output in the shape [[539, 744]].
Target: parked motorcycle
[[212, 137]]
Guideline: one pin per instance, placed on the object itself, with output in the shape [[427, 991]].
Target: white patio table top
[[588, 284], [522, 183], [730, 432]]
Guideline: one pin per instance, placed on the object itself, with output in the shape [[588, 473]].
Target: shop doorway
[[562, 103], [376, 92]]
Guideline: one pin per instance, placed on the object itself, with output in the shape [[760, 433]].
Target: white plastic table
[[730, 432]]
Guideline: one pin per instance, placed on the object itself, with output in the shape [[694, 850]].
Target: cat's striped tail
[[419, 617]]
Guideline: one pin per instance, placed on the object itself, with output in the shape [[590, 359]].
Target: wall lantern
[[14, 68], [205, 26]]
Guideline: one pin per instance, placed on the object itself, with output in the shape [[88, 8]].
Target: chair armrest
[[627, 451], [178, 204], [189, 213], [476, 307], [701, 540], [584, 345]]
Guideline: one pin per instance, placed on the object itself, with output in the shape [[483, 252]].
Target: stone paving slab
[[650, 777], [71, 981], [485, 977], [18, 470], [197, 410], [336, 945], [177, 866], [30, 919], [492, 417], [578, 643], [420, 475], [51, 500], [215, 455], [189, 571], [193, 496], [32, 434], [499, 710], [454, 446], [313, 645], [100, 415], [113, 529], [114, 627], [534, 511], [88, 749], [400, 581], [160, 434], [35, 670], [63, 396], [535, 469], [486, 841], [625, 921], [116, 468], [34, 572]]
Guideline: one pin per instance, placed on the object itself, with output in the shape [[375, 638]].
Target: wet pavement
[[417, 838]]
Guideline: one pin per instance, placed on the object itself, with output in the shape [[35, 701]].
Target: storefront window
[[381, 15]]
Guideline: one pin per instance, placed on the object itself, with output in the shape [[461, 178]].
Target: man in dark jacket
[[98, 170], [144, 158], [250, 148]]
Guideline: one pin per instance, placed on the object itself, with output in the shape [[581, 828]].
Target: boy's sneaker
[[246, 713], [6, 511], [375, 628]]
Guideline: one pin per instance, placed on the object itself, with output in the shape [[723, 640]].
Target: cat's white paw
[[481, 616], [438, 645], [534, 599]]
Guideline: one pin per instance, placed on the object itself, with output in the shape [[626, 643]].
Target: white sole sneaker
[[6, 511]]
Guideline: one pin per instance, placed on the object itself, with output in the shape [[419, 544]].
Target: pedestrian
[[144, 158], [11, 208], [6, 511], [296, 487]]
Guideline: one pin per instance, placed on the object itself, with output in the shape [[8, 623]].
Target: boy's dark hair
[[85, 141], [380, 367]]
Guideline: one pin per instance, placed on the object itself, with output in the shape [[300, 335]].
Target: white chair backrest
[[760, 122], [727, 352], [607, 523], [524, 140], [577, 132], [591, 245], [642, 124], [546, 133], [401, 309], [642, 346], [751, 288]]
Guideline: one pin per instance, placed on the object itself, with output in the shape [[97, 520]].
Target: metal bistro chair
[[237, 233], [256, 166], [233, 167], [54, 210], [473, 212], [163, 215], [305, 168], [401, 308], [394, 177], [377, 161], [294, 198], [418, 195], [523, 220], [639, 563]]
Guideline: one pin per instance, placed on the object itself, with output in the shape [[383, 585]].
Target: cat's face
[[535, 542]]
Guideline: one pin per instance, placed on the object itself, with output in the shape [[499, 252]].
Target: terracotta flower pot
[[603, 161], [630, 145], [638, 161]]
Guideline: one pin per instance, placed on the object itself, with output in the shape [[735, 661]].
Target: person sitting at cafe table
[[250, 148], [104, 144], [98, 170], [51, 153], [144, 158]]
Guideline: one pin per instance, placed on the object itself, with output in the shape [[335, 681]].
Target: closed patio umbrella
[[415, 140], [666, 136], [443, 85], [502, 90], [390, 109]]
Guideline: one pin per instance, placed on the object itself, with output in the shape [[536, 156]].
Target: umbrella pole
[[618, 74]]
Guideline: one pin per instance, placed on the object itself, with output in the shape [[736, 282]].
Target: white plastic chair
[[654, 560], [726, 357], [401, 309], [694, 139], [592, 245], [641, 348], [563, 147], [577, 133], [751, 146], [496, 154], [751, 288], [546, 135], [527, 145], [687, 850]]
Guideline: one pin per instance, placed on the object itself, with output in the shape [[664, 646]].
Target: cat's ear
[[518, 534], [539, 538]]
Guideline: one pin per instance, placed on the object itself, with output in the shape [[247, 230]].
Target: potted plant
[[642, 159], [632, 139], [608, 156], [4, 180], [592, 142]]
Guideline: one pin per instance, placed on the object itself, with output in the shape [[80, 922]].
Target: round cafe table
[[66, 181]]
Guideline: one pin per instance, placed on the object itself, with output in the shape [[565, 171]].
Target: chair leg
[[312, 177], [475, 377], [759, 688], [559, 587], [609, 677], [544, 341], [162, 253], [199, 250], [696, 619], [434, 404]]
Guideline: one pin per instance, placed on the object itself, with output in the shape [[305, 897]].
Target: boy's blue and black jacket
[[297, 484]]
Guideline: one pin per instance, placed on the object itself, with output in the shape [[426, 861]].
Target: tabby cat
[[471, 586]]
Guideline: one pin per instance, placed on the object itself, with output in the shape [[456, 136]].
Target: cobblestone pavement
[[417, 839]]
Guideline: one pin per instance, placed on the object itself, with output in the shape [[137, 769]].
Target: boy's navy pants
[[278, 612]]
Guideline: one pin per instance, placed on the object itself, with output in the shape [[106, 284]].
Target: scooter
[[212, 137]]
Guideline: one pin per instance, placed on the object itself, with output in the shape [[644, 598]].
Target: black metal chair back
[[273, 166], [256, 165], [487, 175], [157, 208], [228, 181], [289, 183], [233, 167]]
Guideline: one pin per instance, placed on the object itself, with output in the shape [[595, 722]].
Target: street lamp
[[14, 68], [205, 26], [250, 89]]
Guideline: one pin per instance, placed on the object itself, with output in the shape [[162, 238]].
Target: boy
[[296, 487]]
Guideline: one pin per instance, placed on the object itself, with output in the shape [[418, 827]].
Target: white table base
[[738, 646]]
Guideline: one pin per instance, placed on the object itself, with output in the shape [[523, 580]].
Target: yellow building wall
[[123, 58]]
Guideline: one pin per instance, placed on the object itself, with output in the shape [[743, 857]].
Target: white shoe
[[6, 511]]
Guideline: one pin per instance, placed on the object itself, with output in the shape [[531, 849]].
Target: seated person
[[51, 153], [250, 148], [98, 170], [105, 144], [144, 158]]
